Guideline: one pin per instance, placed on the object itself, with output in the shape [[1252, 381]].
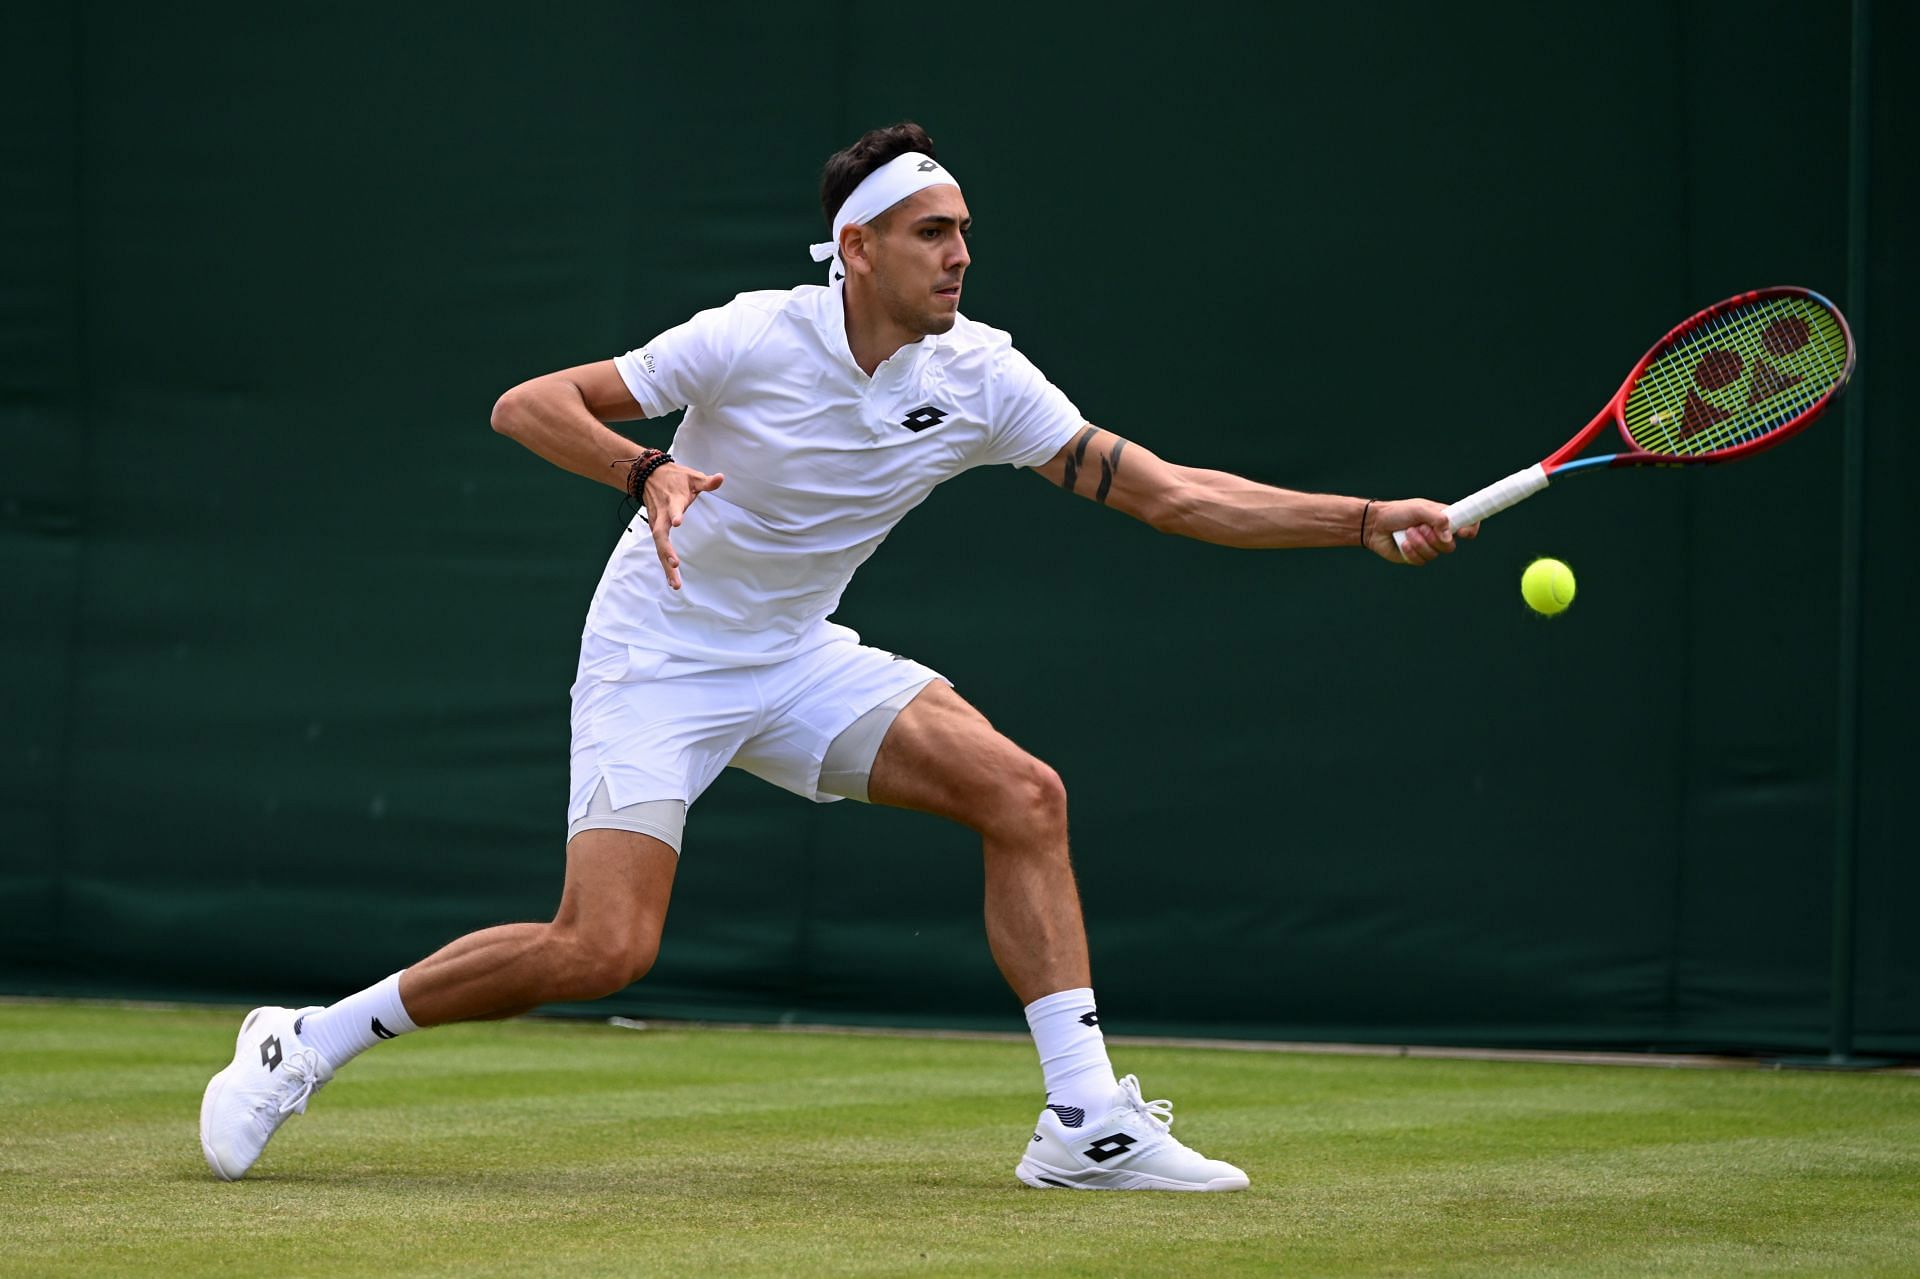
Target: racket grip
[[1491, 500]]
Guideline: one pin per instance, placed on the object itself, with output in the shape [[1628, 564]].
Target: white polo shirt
[[820, 461]]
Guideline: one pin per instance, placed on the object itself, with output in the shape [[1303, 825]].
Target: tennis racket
[[1739, 377]]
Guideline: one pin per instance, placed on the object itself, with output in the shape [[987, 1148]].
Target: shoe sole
[[1042, 1177]]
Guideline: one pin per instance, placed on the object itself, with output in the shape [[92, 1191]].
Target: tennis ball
[[1547, 586]]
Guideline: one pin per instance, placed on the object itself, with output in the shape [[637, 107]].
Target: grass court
[[576, 1148]]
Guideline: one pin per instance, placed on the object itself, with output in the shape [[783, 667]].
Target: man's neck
[[872, 337]]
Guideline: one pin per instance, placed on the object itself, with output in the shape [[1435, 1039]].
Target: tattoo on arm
[[1073, 459], [1109, 467]]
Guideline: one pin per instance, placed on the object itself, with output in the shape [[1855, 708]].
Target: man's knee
[[1028, 799], [592, 967]]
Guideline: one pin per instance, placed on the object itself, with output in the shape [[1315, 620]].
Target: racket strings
[[1760, 354], [1741, 375], [1703, 360]]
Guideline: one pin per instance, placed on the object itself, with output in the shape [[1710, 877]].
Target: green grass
[[570, 1148]]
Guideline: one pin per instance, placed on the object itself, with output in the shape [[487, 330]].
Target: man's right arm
[[562, 417]]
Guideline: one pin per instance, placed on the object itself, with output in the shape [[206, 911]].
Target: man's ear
[[856, 248]]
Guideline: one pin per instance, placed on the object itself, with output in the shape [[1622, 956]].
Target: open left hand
[[670, 491]]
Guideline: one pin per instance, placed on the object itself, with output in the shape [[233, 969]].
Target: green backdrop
[[289, 630]]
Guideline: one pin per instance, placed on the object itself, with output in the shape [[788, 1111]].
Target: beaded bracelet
[[643, 466]]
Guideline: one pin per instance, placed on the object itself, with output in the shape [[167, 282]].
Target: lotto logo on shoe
[[270, 1052], [1107, 1147]]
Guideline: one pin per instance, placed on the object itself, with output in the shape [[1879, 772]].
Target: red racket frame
[[1615, 410]]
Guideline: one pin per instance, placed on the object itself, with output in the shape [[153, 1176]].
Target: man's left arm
[[1230, 510]]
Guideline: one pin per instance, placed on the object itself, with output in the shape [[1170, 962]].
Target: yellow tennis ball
[[1547, 586]]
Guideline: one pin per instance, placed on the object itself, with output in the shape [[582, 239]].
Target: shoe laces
[[1158, 1112], [302, 1068]]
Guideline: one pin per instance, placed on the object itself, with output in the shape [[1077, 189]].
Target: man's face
[[919, 256]]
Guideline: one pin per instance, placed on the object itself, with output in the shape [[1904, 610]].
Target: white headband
[[879, 191]]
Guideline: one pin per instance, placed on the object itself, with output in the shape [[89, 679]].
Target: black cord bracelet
[[1364, 512]]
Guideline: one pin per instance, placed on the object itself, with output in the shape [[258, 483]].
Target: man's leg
[[603, 937], [942, 756]]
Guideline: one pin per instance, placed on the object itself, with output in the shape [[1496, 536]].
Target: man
[[816, 418]]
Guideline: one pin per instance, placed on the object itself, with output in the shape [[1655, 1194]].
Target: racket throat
[[1606, 417]]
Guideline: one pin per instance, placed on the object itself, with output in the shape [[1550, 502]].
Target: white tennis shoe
[[272, 1076], [1129, 1148]]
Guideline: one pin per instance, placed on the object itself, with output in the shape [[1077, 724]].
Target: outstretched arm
[[1230, 510], [562, 417]]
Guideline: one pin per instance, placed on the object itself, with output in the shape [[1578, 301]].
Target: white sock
[[1073, 1055], [340, 1032]]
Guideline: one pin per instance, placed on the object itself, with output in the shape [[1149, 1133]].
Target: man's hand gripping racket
[[1740, 376]]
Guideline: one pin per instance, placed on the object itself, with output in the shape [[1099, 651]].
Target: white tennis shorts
[[652, 733]]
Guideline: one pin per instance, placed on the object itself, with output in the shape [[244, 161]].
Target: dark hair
[[846, 169]]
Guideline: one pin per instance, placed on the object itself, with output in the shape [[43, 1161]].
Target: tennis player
[[816, 418]]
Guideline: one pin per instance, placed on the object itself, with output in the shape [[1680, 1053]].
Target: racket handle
[[1491, 500]]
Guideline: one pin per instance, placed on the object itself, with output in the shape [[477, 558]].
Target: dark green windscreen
[[289, 630]]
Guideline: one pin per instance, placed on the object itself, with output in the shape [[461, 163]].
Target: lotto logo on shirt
[[923, 417]]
